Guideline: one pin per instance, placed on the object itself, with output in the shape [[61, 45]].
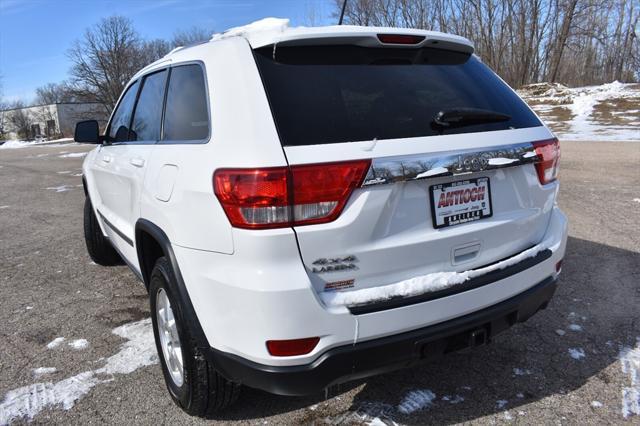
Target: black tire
[[99, 247], [203, 392]]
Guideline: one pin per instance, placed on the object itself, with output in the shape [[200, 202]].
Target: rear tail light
[[400, 38], [287, 196], [292, 347], [548, 160]]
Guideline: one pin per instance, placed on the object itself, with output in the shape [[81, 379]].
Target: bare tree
[[53, 93], [20, 120], [576, 42], [104, 60], [191, 36]]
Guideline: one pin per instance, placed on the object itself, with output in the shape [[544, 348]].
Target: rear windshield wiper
[[458, 117]]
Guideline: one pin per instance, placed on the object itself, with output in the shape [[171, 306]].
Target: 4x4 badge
[[334, 264]]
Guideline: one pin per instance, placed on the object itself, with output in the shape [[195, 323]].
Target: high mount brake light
[[548, 160], [287, 196], [400, 38]]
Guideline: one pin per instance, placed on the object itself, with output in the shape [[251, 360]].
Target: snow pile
[[138, 351], [12, 144], [606, 112], [421, 284], [266, 25], [630, 363], [416, 400]]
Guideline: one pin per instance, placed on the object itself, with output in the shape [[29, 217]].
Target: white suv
[[307, 206]]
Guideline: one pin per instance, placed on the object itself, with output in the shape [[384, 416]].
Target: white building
[[52, 121]]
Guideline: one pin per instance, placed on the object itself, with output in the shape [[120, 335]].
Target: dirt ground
[[49, 288]]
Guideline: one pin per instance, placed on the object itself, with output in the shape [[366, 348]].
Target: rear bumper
[[349, 362]]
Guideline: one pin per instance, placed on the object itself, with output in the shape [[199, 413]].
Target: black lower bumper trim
[[372, 357]]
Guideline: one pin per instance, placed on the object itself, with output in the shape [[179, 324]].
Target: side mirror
[[87, 132]]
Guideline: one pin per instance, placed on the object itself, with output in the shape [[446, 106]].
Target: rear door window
[[148, 112], [187, 115], [331, 94], [121, 120]]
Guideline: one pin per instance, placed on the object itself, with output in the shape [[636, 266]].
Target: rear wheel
[[193, 382], [98, 246]]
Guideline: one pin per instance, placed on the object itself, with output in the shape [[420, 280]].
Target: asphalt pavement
[[573, 363]]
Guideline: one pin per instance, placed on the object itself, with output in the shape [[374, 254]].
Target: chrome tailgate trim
[[453, 163]]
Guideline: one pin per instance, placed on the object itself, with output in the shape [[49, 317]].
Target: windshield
[[331, 94]]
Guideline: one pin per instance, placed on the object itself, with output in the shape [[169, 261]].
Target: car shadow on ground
[[594, 311]]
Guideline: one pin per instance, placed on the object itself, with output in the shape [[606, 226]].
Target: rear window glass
[[330, 94], [186, 117]]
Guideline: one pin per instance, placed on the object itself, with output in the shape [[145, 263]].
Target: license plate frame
[[453, 213]]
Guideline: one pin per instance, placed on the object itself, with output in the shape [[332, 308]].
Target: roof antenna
[[344, 6]]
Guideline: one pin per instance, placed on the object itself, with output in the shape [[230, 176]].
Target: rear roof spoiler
[[274, 31]]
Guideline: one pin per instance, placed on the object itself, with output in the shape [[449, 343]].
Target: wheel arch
[[151, 244]]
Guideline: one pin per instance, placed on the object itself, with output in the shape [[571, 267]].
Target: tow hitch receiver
[[478, 337]]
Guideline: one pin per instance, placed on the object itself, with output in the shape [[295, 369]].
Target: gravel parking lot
[[577, 362]]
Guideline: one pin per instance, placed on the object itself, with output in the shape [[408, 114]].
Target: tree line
[[574, 42]]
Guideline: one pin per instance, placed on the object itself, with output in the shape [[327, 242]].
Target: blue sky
[[35, 34]]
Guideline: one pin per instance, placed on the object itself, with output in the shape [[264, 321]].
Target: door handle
[[138, 162], [106, 159]]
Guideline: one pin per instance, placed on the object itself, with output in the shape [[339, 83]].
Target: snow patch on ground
[[55, 343], [576, 353], [560, 332], [587, 113], [79, 344], [419, 285], [61, 188], [630, 364], [636, 200], [596, 404], [521, 372], [416, 400], [73, 155], [43, 370], [12, 144], [575, 327], [370, 413], [501, 403], [455, 399], [138, 351]]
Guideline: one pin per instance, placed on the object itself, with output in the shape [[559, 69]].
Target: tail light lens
[[548, 160], [292, 347], [287, 196]]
